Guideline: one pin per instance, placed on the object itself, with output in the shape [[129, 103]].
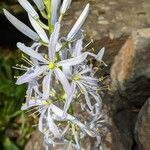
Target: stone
[[130, 72], [119, 124], [142, 129]]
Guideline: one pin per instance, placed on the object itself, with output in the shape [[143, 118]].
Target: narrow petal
[[55, 5], [78, 48], [52, 126], [98, 98], [39, 4], [100, 54], [28, 7], [21, 26], [69, 99], [78, 23], [63, 80], [87, 98], [46, 85], [73, 61], [89, 80], [76, 138], [39, 29], [28, 76], [65, 5], [31, 52], [86, 70], [53, 42], [41, 121], [66, 69]]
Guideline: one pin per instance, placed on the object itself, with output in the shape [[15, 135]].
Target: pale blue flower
[[49, 113], [82, 77]]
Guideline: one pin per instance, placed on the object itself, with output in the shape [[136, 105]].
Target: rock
[[142, 129], [110, 17], [119, 124], [130, 72]]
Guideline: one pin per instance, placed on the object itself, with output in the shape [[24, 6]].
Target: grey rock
[[130, 72], [142, 129]]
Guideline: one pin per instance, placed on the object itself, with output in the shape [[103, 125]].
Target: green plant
[[13, 128]]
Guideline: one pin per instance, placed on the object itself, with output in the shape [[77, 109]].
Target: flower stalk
[[59, 80]]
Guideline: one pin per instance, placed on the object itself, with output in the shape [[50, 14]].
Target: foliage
[[13, 128]]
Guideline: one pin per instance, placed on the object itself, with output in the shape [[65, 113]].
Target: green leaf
[[9, 145]]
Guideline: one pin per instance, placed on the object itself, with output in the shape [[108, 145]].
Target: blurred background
[[110, 23]]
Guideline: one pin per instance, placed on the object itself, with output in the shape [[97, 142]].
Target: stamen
[[88, 43], [18, 68], [27, 60]]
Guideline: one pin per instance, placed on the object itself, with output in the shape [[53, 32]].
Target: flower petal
[[98, 98], [78, 23], [29, 51], [87, 98], [28, 76], [55, 5], [62, 78], [39, 4], [100, 54], [73, 61], [52, 126], [46, 85], [42, 121], [21, 26], [38, 29], [28, 7], [65, 5], [78, 48], [69, 99], [53, 42]]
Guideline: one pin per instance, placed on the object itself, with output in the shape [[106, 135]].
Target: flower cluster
[[58, 75]]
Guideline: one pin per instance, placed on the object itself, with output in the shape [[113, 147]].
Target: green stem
[[48, 9], [70, 111]]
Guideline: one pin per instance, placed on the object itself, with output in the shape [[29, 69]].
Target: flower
[[81, 76]]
